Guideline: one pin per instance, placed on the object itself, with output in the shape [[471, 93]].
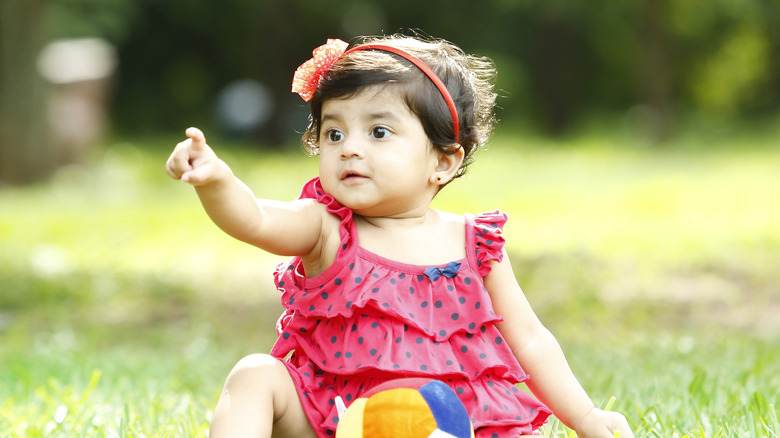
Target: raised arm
[[284, 228], [540, 355]]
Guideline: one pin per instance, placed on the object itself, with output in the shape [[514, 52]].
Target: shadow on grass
[[577, 296], [576, 293]]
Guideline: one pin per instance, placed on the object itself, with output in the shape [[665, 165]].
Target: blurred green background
[[652, 67], [638, 157]]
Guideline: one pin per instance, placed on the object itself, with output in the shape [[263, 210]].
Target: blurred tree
[[25, 153], [558, 64], [655, 65], [732, 66]]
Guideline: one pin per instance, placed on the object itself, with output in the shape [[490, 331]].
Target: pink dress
[[368, 319]]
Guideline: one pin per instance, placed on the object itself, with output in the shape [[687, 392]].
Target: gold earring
[[438, 179]]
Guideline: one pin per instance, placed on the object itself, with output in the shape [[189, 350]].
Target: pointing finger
[[198, 139]]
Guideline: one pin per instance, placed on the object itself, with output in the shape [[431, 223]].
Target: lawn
[[122, 308]]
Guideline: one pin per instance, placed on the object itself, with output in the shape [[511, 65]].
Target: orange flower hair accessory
[[307, 77]]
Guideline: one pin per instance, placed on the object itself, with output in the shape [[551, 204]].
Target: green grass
[[122, 308]]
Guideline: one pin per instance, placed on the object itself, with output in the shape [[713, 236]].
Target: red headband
[[308, 75]]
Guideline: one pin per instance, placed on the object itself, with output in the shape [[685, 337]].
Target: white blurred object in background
[[243, 107], [80, 72]]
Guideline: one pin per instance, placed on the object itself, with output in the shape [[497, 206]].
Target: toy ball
[[406, 408]]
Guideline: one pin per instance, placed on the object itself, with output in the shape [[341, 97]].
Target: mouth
[[351, 175]]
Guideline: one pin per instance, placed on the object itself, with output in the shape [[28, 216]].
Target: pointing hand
[[194, 162]]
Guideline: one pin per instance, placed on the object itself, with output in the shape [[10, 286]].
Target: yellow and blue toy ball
[[406, 408]]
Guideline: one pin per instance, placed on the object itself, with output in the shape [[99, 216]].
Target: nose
[[352, 147]]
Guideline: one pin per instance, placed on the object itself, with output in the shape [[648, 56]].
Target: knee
[[255, 369]]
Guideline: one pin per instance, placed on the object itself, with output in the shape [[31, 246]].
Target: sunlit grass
[[622, 202], [122, 308]]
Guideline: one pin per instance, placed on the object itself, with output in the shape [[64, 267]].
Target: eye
[[334, 136], [380, 132]]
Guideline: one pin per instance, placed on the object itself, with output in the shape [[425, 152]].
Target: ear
[[447, 166]]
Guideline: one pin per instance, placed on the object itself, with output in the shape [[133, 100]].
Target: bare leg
[[259, 400]]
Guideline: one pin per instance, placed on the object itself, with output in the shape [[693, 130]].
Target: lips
[[351, 175]]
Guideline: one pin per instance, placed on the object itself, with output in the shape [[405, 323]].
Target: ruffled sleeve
[[485, 239], [313, 190]]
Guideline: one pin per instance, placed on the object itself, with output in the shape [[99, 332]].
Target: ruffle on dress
[[488, 239], [368, 319]]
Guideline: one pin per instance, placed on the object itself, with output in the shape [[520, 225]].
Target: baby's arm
[[234, 208], [540, 355]]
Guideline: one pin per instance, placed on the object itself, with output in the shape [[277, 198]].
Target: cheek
[[328, 167], [326, 177], [324, 166]]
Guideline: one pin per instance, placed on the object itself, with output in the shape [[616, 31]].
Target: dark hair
[[469, 80]]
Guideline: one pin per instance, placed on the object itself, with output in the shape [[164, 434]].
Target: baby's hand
[[603, 424], [194, 162]]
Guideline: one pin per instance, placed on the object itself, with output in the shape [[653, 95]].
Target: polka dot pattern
[[367, 319]]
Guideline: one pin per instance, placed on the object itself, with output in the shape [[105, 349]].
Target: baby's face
[[374, 155]]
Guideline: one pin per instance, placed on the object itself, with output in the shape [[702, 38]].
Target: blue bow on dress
[[449, 271]]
